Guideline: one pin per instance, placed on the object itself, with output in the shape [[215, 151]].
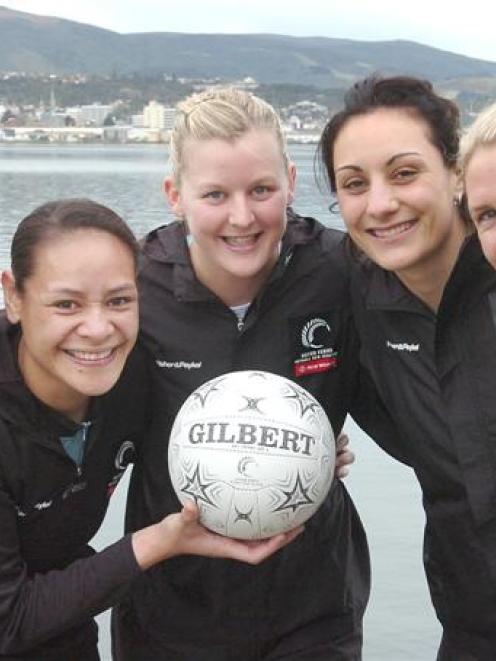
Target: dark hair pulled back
[[412, 94], [58, 217]]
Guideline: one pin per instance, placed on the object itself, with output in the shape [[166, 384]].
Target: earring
[[457, 201]]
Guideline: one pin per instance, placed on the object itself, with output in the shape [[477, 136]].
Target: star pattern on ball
[[252, 403], [201, 394], [305, 402], [196, 488], [258, 375], [297, 497], [243, 516]]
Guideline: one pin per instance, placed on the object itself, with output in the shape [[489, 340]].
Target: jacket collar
[[168, 245], [471, 278], [18, 405]]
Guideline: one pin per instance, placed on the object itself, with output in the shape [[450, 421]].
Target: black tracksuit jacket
[[437, 375], [51, 582], [193, 337]]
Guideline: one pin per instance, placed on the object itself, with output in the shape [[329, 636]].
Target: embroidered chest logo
[[409, 347], [178, 364], [126, 454], [313, 345], [309, 330]]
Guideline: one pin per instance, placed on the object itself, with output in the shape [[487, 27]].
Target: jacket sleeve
[[369, 412], [365, 404], [36, 608]]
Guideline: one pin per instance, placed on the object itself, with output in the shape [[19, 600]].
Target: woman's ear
[[458, 184], [174, 197], [12, 300], [292, 183]]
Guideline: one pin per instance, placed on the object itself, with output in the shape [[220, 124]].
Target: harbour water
[[400, 624]]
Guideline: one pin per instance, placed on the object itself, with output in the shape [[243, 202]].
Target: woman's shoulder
[[14, 396], [9, 336], [127, 405], [311, 232], [165, 243]]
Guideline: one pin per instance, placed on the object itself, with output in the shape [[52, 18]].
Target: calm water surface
[[400, 624]]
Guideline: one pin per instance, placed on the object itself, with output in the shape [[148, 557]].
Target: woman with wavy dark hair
[[424, 303]]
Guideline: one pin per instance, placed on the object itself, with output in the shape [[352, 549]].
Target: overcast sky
[[437, 23]]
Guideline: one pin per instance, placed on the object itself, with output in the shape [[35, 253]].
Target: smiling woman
[[397, 199], [78, 325], [241, 282], [234, 197], [67, 362], [478, 162], [422, 291]]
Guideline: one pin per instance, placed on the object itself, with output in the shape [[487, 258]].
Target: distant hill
[[41, 44]]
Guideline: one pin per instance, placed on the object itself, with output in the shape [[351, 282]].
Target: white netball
[[255, 451]]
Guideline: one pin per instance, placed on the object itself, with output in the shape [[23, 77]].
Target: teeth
[[391, 231], [90, 356], [239, 240]]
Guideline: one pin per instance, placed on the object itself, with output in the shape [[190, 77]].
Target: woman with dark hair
[[67, 364], [424, 304]]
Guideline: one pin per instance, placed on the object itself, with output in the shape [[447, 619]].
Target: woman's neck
[[58, 396], [231, 288], [428, 280]]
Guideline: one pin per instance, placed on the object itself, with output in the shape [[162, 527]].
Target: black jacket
[[193, 336], [437, 375], [51, 583]]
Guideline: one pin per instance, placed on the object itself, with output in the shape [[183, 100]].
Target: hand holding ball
[[255, 451]]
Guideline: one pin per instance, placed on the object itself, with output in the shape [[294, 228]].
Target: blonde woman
[[478, 163], [230, 286]]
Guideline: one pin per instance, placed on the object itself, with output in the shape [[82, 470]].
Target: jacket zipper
[[85, 427]]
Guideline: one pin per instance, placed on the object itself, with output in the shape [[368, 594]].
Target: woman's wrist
[[151, 545]]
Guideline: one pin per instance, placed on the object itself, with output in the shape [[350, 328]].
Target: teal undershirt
[[75, 445]]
